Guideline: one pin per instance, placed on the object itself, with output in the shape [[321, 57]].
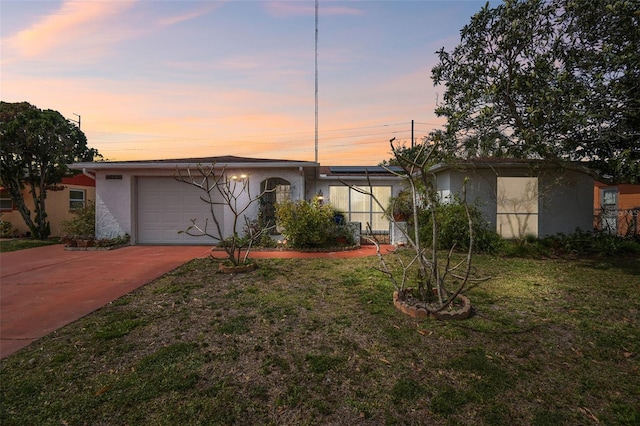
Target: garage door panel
[[171, 217], [193, 203], [173, 200], [166, 207], [154, 217]]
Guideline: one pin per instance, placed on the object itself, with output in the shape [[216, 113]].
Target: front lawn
[[15, 244], [319, 342]]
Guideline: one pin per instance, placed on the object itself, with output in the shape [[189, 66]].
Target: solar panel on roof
[[362, 169]]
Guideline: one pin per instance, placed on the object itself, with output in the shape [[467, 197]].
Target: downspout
[[86, 173]]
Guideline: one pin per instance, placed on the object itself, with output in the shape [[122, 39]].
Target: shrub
[[579, 243], [585, 243], [306, 224], [120, 240], [6, 229], [453, 228], [257, 233], [84, 222]]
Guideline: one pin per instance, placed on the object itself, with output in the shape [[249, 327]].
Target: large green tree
[[555, 79], [35, 147]]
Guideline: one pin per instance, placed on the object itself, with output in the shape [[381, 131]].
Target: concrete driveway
[[45, 288]]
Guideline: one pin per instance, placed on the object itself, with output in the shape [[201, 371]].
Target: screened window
[[76, 199], [609, 214], [5, 200], [517, 207], [360, 207]]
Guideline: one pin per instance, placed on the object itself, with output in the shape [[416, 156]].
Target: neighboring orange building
[[70, 194], [617, 208]]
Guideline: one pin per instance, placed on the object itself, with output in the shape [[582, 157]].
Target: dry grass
[[319, 342]]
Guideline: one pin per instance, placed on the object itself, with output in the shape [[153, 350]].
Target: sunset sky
[[158, 79]]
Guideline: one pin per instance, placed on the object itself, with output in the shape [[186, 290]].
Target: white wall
[[256, 177], [116, 200], [113, 205]]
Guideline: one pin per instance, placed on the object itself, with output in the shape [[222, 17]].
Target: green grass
[[16, 244], [297, 342]]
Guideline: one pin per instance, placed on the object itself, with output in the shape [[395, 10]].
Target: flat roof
[[362, 170]]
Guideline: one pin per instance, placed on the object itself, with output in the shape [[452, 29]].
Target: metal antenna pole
[[78, 120], [316, 133]]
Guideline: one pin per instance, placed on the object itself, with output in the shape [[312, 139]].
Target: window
[[360, 207], [609, 214], [76, 199], [517, 207], [5, 200], [283, 192]]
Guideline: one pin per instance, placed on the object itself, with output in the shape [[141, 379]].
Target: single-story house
[[143, 199], [62, 199], [522, 197], [617, 208]]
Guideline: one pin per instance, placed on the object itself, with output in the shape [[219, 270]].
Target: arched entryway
[[274, 191]]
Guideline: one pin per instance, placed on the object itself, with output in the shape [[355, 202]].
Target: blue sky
[[171, 79]]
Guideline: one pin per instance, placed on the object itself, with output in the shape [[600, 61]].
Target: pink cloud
[[172, 20], [71, 22]]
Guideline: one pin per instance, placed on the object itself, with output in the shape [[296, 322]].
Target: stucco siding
[[56, 205], [481, 189], [565, 198], [566, 203], [117, 200], [114, 205]]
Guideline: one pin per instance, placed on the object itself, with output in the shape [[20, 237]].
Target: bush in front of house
[[310, 224], [582, 243], [83, 223], [121, 240], [6, 229], [453, 228]]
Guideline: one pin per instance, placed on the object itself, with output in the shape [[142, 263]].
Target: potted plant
[[400, 207], [85, 241]]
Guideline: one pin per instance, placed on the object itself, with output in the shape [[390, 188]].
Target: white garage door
[[165, 207]]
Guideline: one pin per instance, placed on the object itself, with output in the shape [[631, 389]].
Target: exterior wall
[[256, 177], [481, 189], [628, 195], [114, 205], [56, 204], [565, 200], [566, 203], [116, 200], [624, 219]]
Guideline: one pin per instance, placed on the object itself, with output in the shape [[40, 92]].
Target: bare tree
[[439, 281], [233, 193]]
